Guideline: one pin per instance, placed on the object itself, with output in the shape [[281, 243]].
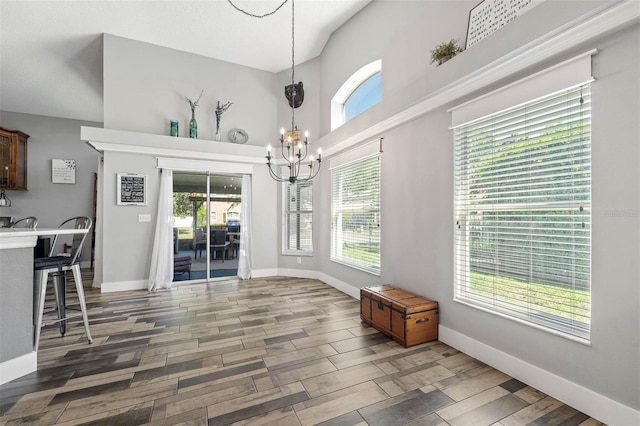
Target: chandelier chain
[[293, 159], [293, 62], [257, 16]]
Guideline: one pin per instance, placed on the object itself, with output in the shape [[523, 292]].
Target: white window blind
[[355, 213], [523, 213], [298, 215]]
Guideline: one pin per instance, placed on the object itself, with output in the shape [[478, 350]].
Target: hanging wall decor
[[489, 16], [63, 171], [131, 189]]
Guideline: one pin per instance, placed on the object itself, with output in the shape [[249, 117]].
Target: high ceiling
[[51, 50]]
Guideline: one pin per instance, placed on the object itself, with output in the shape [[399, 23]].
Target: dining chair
[[199, 243], [57, 265], [219, 242], [30, 222]]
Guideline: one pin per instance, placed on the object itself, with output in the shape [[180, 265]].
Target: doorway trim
[[214, 167]]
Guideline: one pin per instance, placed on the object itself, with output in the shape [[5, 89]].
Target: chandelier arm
[[257, 16], [306, 151], [298, 164], [282, 152], [275, 176], [311, 174]]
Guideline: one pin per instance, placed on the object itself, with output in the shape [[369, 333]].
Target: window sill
[[371, 271], [297, 253]]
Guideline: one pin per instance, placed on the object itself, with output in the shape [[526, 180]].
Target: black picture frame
[[131, 189]]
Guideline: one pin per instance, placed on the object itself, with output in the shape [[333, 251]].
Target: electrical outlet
[[144, 218], [299, 260]]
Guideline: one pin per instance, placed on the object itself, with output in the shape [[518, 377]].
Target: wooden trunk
[[406, 317]]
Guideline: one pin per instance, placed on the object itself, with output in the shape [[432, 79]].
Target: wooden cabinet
[[13, 159]]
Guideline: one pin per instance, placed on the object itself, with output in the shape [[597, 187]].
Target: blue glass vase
[[193, 126]]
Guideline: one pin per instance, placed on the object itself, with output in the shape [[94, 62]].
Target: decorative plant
[[445, 51], [194, 104], [193, 124], [219, 110]]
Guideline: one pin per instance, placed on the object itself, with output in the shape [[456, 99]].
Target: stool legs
[[59, 282], [77, 277], [60, 291], [40, 290]]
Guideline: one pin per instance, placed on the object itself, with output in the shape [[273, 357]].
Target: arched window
[[360, 92]]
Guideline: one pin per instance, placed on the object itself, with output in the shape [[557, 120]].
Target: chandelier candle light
[[294, 156]]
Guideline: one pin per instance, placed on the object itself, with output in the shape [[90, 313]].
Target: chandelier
[[293, 149]]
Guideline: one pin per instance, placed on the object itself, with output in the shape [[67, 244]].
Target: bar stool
[[30, 222], [57, 265]]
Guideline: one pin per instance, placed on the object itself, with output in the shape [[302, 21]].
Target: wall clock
[[238, 136]]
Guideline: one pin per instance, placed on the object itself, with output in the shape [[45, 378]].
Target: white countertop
[[12, 238]]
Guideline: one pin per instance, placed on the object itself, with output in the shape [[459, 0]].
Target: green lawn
[[553, 299], [362, 253]]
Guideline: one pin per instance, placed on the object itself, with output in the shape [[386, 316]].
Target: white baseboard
[[261, 273], [306, 273], [340, 285], [123, 286], [18, 367], [298, 273], [589, 402]]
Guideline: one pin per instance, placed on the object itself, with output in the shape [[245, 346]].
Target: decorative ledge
[[104, 140]]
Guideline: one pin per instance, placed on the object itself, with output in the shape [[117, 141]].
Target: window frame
[[286, 215], [476, 191], [348, 87], [339, 210]]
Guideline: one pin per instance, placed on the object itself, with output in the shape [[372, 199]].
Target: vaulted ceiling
[[51, 50]]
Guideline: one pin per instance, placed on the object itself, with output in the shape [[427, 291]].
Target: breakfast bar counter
[[17, 356]]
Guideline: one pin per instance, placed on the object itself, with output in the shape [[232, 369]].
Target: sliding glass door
[[206, 210]]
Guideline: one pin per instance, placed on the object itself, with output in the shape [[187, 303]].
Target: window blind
[[523, 213], [355, 213], [298, 215]]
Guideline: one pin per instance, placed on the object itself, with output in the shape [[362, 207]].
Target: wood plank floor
[[279, 351]]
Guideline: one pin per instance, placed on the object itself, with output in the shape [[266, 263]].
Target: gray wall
[[52, 203], [127, 243], [145, 87], [417, 173]]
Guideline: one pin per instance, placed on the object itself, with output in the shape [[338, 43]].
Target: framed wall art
[[63, 171], [132, 189], [491, 15]]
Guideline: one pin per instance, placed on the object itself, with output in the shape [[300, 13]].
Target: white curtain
[[244, 259], [161, 271]]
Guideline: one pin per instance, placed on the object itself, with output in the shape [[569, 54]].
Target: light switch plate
[[144, 218]]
